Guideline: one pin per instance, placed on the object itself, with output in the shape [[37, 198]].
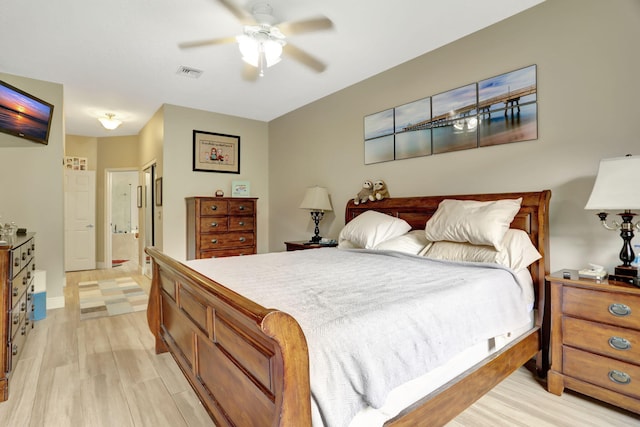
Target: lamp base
[[626, 274]]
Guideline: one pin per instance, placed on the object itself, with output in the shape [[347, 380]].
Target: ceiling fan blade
[[242, 15], [305, 58], [305, 26], [209, 42], [249, 72]]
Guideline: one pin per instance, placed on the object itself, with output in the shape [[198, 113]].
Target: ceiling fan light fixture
[[254, 51], [109, 122]]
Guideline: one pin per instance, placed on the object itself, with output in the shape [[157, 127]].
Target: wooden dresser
[[220, 226], [17, 265], [595, 339]]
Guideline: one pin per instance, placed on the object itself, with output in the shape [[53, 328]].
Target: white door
[[80, 220]]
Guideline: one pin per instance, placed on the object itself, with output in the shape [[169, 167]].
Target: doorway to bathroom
[[122, 222]]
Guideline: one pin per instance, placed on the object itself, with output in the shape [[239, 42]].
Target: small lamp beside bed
[[617, 187], [316, 200]]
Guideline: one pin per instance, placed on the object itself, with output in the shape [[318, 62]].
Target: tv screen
[[24, 115]]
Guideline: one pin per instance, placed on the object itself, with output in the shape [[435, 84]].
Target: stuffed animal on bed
[[365, 193], [379, 191]]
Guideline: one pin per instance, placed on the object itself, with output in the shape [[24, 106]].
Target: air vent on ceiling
[[189, 72]]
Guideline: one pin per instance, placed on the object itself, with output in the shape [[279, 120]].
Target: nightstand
[[301, 245], [595, 339]]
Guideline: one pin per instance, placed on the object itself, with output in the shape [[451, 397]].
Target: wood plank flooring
[[104, 372]]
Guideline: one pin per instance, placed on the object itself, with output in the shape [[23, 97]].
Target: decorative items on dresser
[[221, 226], [17, 266], [595, 339]]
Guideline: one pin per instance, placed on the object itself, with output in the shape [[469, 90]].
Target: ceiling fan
[[263, 41]]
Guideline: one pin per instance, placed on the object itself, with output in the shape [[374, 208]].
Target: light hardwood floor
[[104, 372]]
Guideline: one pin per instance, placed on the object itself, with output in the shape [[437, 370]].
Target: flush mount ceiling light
[[109, 122]]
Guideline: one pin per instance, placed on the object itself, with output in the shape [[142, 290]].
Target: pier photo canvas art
[[494, 111], [23, 115]]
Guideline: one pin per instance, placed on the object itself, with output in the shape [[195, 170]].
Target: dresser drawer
[[249, 250], [213, 207], [228, 240], [602, 371], [620, 343], [241, 207], [606, 307], [240, 223], [213, 224]]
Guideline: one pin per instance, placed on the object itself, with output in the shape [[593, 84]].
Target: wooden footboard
[[249, 365]]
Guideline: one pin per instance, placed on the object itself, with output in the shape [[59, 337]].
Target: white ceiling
[[122, 56]]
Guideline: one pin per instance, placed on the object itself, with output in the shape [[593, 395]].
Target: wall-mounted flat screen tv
[[24, 115]]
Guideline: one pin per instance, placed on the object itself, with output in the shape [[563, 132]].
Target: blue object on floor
[[39, 306]]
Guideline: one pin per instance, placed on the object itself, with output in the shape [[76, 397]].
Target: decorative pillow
[[479, 223], [412, 243], [518, 252], [370, 228]]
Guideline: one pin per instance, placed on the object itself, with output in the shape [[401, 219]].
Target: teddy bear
[[379, 191], [365, 193]]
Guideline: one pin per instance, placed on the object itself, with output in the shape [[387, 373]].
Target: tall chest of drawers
[[220, 226], [595, 339], [17, 266]]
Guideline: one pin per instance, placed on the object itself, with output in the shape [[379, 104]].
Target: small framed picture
[[139, 196], [159, 191], [240, 189]]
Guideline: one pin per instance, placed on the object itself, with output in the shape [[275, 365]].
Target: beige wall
[[31, 190], [180, 181], [588, 87], [82, 146]]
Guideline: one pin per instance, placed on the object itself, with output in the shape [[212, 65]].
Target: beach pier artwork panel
[[508, 107]]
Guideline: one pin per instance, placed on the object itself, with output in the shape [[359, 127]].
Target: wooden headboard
[[533, 218]]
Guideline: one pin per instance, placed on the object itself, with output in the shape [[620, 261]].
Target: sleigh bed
[[250, 364]]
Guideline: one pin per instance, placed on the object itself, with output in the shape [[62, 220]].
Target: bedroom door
[[79, 220]]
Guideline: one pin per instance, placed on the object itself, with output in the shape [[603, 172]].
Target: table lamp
[[316, 200], [617, 187]]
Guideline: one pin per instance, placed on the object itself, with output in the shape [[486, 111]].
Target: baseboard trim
[[55, 302]]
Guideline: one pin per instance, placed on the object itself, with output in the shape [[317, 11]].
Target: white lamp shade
[[617, 185], [316, 199]]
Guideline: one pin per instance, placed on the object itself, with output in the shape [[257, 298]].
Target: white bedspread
[[374, 319]]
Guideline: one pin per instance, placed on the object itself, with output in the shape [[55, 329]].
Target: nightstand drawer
[[606, 307], [623, 344], [213, 207], [602, 371]]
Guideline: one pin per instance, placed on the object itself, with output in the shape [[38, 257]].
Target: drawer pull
[[214, 207], [619, 343], [14, 349], [23, 330], [16, 263], [620, 310], [242, 239], [24, 281], [214, 224], [214, 240], [15, 292], [24, 256], [619, 377], [241, 207], [16, 318], [241, 223]]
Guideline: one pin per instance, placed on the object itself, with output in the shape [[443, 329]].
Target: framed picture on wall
[[216, 152], [159, 191], [139, 199]]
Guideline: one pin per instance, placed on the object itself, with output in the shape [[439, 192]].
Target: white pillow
[[412, 243], [480, 223], [518, 252], [370, 228]]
